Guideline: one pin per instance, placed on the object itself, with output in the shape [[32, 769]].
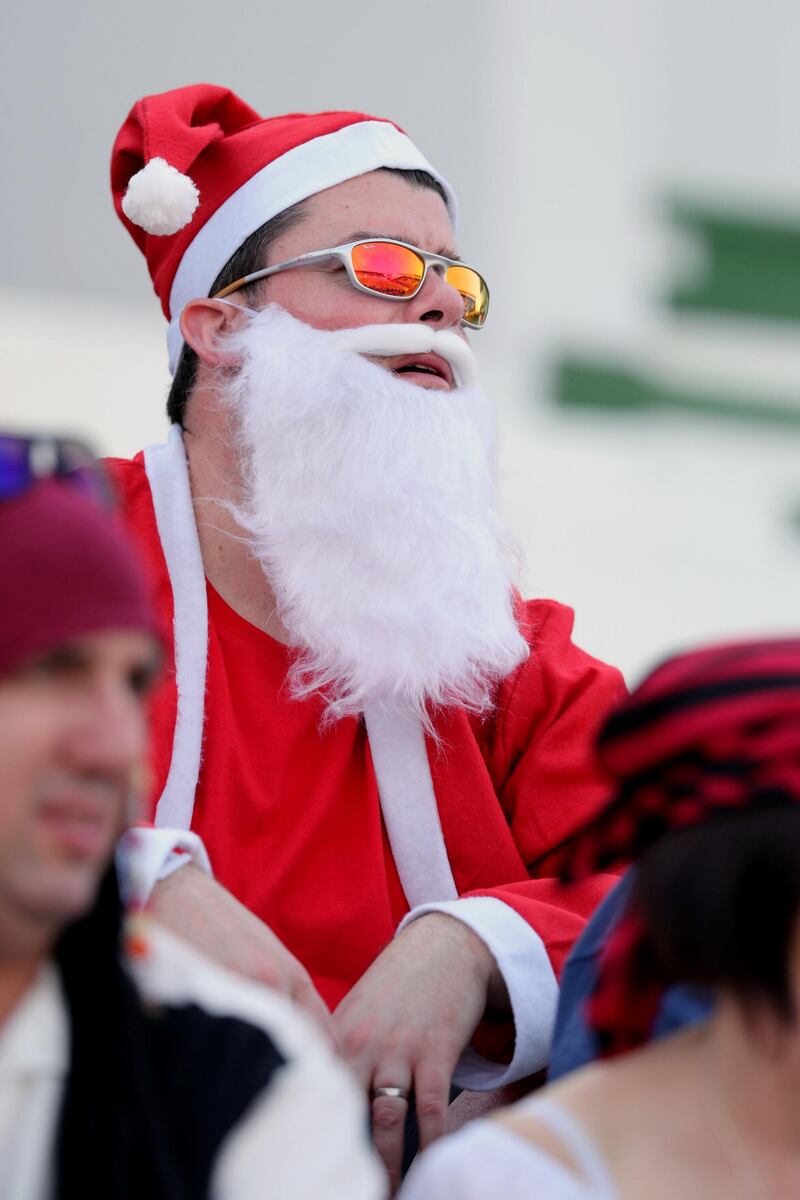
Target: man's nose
[[437, 301], [111, 732]]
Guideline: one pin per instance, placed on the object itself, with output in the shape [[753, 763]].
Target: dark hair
[[420, 179], [251, 256], [720, 902]]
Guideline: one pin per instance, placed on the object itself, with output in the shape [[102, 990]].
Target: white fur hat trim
[[160, 199]]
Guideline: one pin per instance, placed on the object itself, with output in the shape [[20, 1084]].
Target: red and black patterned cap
[[705, 735], [707, 732]]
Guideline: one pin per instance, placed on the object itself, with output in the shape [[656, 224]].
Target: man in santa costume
[[378, 742]]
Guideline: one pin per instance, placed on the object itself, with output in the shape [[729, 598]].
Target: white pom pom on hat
[[159, 199]]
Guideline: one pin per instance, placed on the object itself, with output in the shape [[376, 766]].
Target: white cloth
[[304, 1138], [146, 855], [34, 1054], [487, 1161]]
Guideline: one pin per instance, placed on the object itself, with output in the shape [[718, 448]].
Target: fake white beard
[[368, 502]]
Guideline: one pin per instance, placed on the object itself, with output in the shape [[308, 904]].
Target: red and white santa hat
[[195, 171]]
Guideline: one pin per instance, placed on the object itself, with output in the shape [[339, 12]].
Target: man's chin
[[58, 893]]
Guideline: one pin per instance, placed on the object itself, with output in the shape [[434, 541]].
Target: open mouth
[[428, 366], [418, 367]]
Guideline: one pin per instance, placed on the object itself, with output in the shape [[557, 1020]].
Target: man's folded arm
[[529, 927]]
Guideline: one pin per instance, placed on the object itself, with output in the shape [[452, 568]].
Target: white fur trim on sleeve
[[532, 988], [145, 855]]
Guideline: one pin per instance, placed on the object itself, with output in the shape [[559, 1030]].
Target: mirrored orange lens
[[387, 269], [474, 292]]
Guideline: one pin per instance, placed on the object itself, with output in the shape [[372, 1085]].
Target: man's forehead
[[380, 204], [362, 235]]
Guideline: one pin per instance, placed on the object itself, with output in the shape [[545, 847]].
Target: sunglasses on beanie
[[393, 270], [25, 460]]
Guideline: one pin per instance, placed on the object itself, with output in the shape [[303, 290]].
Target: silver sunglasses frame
[[342, 254]]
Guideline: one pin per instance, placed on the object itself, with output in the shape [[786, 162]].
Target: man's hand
[[407, 1020], [197, 908]]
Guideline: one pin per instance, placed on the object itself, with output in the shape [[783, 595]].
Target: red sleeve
[[539, 750]]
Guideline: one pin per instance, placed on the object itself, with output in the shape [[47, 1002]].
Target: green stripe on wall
[[609, 384], [750, 264]]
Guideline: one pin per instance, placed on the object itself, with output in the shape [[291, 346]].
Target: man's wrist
[[532, 989], [472, 946]]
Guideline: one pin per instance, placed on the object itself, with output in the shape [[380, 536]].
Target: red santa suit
[[335, 836]]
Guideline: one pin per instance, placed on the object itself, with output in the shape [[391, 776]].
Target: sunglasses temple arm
[[291, 264]]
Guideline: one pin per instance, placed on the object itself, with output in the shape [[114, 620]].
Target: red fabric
[[208, 133], [692, 700], [624, 1004], [707, 732], [68, 569], [291, 816]]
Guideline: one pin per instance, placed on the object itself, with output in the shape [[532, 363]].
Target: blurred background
[[629, 172]]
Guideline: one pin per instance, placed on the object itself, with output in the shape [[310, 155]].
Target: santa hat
[[195, 171]]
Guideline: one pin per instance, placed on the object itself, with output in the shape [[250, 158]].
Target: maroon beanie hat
[[67, 568]]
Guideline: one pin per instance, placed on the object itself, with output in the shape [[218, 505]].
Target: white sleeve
[[532, 988], [305, 1138], [146, 854], [485, 1161]]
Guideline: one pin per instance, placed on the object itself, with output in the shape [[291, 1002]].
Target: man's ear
[[203, 323]]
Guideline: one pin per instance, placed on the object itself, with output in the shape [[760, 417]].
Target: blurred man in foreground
[[159, 1076], [366, 725]]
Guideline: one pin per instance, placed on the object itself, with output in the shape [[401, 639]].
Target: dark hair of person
[[113, 1134], [720, 903], [251, 256]]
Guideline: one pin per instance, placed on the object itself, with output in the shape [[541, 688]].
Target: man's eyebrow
[[362, 235], [69, 654]]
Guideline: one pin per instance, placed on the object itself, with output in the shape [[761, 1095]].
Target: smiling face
[[378, 204], [72, 732]]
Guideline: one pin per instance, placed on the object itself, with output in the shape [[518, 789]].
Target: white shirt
[[34, 1060], [487, 1161]]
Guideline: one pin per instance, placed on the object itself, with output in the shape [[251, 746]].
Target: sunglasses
[[25, 460], [393, 270]]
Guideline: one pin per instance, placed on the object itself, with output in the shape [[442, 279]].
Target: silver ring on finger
[[394, 1093]]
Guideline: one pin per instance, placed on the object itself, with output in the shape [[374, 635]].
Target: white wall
[[560, 124]]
